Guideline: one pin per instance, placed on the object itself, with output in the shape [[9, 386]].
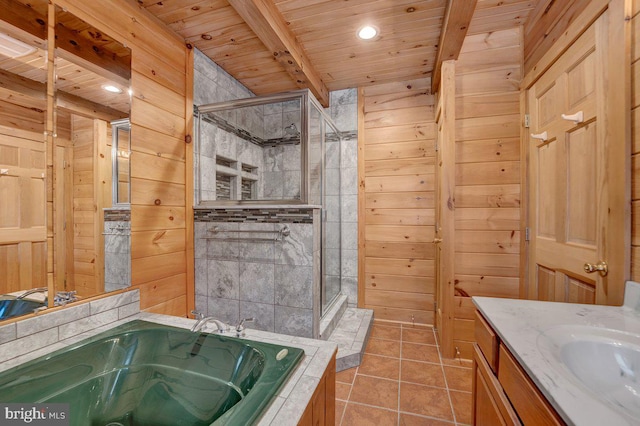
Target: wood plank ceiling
[[86, 61], [325, 33]]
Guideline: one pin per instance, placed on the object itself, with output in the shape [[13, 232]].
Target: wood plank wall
[[546, 23], [22, 229], [635, 142], [159, 128], [88, 243], [487, 199], [398, 219]]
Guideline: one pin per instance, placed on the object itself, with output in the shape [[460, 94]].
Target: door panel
[[568, 174], [546, 194], [581, 186]]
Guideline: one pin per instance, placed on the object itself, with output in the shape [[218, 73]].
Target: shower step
[[351, 335]]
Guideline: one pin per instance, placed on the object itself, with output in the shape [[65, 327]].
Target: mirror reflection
[[84, 251], [23, 234], [92, 233]]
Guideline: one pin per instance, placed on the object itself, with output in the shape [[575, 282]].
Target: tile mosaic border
[[117, 215], [254, 215]]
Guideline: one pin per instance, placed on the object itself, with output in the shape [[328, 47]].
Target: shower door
[[332, 207]]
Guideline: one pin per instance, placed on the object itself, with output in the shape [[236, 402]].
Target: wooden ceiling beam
[[24, 88], [455, 25], [269, 25], [72, 46]]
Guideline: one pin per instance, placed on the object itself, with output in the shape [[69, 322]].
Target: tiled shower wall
[[117, 249], [343, 110], [212, 84], [249, 275]]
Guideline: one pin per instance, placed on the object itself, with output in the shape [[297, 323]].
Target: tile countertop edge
[[288, 405], [518, 323]]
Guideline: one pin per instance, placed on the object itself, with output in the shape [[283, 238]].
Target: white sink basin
[[606, 362]]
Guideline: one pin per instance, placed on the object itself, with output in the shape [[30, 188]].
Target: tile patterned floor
[[403, 381]]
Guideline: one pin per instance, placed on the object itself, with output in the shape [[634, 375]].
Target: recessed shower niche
[[267, 211]]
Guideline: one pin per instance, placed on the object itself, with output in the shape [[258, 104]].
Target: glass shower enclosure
[[278, 150]]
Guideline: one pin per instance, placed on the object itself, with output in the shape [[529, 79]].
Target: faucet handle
[[240, 327], [197, 315]]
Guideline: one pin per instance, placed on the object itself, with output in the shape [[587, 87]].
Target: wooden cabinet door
[[490, 405], [575, 201]]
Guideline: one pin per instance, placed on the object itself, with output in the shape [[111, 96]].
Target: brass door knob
[[437, 240], [600, 267]]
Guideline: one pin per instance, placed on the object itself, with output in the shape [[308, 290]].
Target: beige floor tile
[[385, 332], [342, 391], [425, 401], [423, 373], [414, 335], [419, 352], [374, 391], [458, 378], [413, 420], [346, 376], [383, 347], [362, 415], [461, 406], [340, 406], [380, 366]]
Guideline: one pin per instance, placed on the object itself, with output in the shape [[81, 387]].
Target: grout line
[[409, 382], [372, 406], [446, 383], [422, 416]]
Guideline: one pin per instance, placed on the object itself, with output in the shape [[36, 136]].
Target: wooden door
[[572, 207], [23, 255], [444, 209]]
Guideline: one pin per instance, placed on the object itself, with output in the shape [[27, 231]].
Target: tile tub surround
[[520, 322], [275, 282], [351, 334], [117, 252], [32, 337], [288, 406]]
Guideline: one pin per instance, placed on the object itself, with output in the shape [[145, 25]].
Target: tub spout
[[32, 291], [200, 323], [240, 327]]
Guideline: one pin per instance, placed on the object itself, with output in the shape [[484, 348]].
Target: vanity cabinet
[[321, 409], [503, 393]]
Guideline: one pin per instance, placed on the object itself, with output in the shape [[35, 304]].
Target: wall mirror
[[50, 262], [23, 104], [91, 183]]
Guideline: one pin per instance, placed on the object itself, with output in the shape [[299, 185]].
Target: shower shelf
[[280, 234]]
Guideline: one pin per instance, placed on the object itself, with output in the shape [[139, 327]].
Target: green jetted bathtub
[[143, 373]]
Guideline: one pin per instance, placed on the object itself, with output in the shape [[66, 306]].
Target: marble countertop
[[519, 323], [288, 406]]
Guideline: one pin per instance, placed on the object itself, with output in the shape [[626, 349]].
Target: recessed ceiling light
[[367, 32], [111, 88]]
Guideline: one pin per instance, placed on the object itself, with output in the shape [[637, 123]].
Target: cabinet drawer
[[529, 403], [488, 341], [490, 405]]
